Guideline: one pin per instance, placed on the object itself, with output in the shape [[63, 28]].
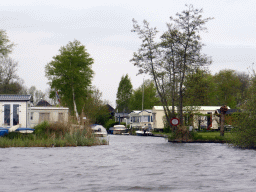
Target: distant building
[[207, 120], [43, 103], [16, 109], [111, 111], [122, 117], [141, 119]]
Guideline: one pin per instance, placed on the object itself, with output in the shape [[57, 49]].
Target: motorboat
[[143, 133], [119, 129], [99, 131]]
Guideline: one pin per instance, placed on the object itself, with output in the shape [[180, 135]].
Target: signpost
[[175, 121]]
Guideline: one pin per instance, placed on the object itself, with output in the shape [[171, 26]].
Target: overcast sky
[[40, 27]]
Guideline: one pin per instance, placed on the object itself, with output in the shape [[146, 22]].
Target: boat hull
[[144, 133]]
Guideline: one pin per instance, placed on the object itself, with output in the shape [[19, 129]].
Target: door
[[11, 115], [44, 117]]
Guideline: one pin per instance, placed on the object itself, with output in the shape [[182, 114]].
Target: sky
[[38, 28]]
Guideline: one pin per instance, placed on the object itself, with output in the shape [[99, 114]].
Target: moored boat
[[6, 130], [119, 129], [143, 133], [99, 131]]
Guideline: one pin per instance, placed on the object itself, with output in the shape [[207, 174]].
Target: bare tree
[[9, 80]]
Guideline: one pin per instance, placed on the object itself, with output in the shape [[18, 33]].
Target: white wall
[[23, 110], [53, 111]]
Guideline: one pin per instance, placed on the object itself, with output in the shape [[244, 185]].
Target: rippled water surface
[[129, 163]]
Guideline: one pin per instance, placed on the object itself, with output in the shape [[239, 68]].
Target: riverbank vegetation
[[244, 133], [53, 135], [196, 136]]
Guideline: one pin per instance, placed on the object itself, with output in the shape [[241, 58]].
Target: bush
[[52, 134], [111, 123]]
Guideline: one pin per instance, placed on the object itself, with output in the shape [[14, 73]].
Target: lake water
[[129, 163]]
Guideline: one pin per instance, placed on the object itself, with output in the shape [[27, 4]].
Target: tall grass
[[53, 135]]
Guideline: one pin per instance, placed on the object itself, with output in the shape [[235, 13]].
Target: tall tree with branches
[[169, 61]]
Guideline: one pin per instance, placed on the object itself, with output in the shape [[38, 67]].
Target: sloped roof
[[229, 111], [15, 97], [110, 108], [121, 115], [43, 103], [200, 108]]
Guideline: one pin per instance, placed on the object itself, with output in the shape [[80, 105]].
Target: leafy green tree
[[95, 109], [150, 96], [70, 74], [244, 133], [244, 78], [228, 87], [199, 89], [124, 93], [5, 44]]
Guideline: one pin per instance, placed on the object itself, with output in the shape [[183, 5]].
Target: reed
[[53, 135]]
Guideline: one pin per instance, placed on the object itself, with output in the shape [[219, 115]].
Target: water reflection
[[129, 163]]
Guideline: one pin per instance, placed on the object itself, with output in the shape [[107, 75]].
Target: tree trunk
[[222, 119], [75, 109]]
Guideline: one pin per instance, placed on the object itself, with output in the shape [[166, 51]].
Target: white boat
[[99, 131], [119, 129], [144, 133]]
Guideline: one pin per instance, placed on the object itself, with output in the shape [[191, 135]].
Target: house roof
[[43, 103], [15, 97], [199, 108], [121, 115], [229, 111], [111, 109], [49, 108], [139, 113]]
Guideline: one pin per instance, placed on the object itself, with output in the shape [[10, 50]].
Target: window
[[31, 115], [44, 117], [61, 117], [7, 114], [15, 114]]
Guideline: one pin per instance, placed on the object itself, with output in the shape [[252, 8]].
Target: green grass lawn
[[204, 136]]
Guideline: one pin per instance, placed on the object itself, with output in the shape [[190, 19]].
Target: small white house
[[207, 119], [49, 113], [141, 119], [14, 110], [17, 110]]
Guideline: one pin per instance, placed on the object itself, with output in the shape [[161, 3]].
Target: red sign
[[175, 121]]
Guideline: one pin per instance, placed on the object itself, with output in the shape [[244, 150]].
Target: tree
[[95, 109], [199, 89], [147, 59], [150, 96], [70, 74], [244, 133], [190, 23], [124, 93], [5, 44], [228, 87], [10, 83], [37, 95], [181, 55]]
